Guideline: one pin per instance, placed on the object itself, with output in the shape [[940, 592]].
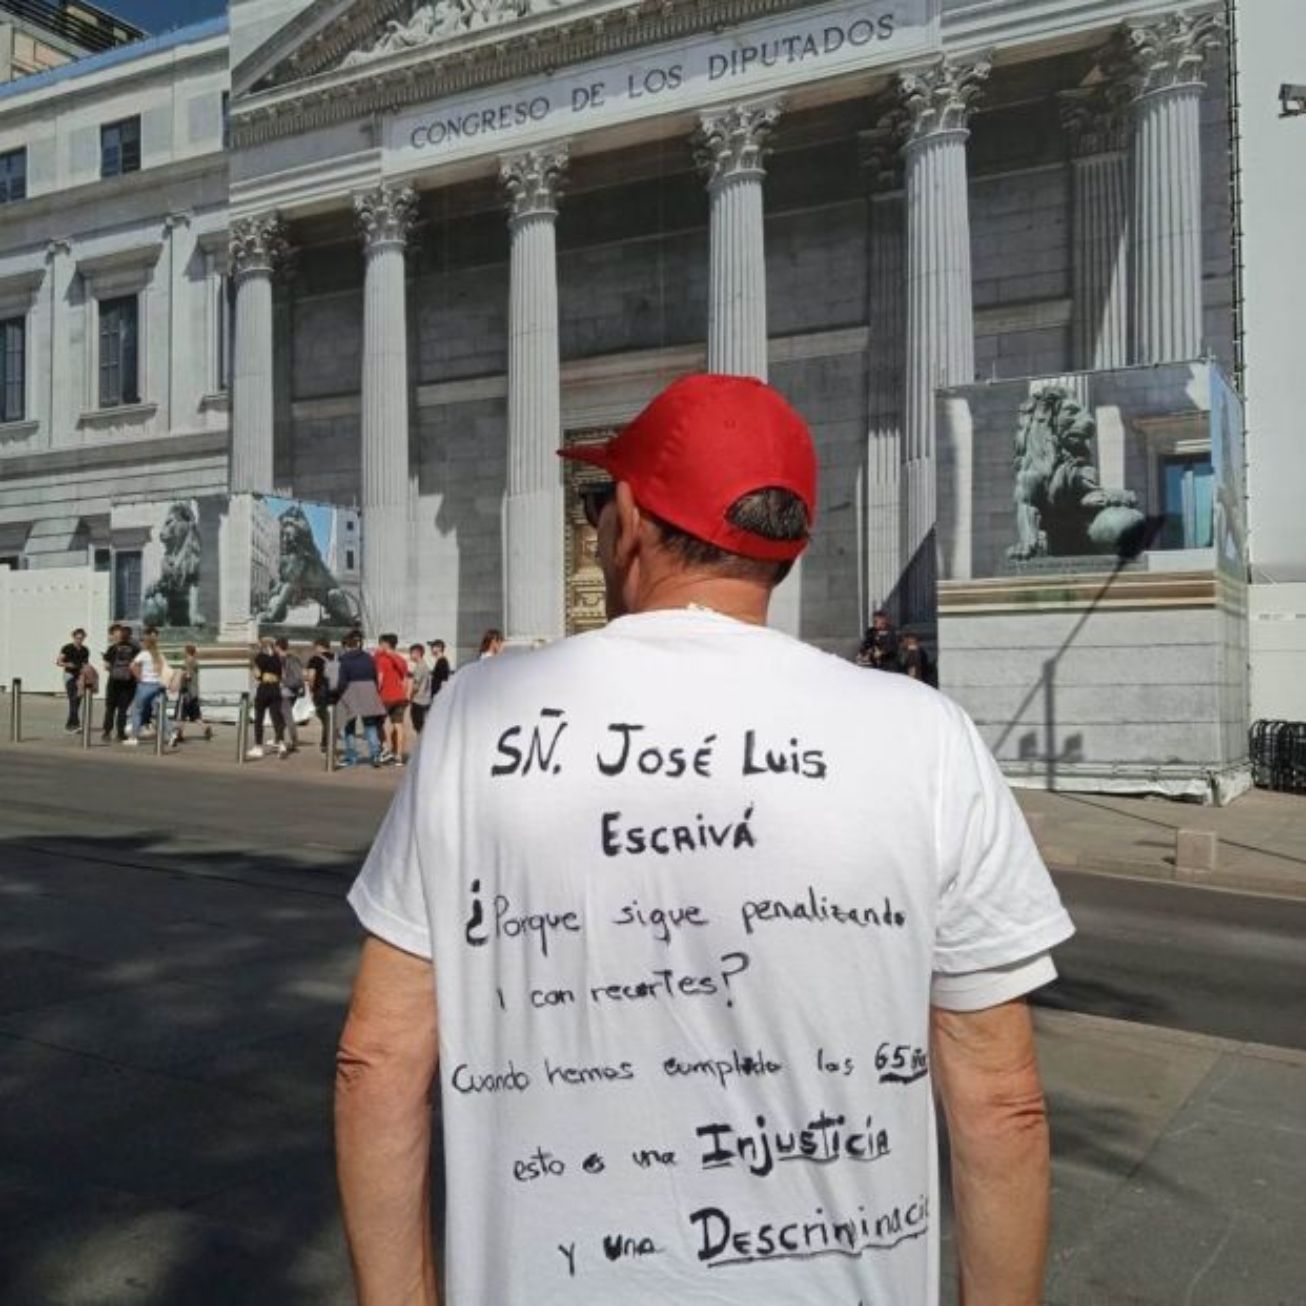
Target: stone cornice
[[534, 46]]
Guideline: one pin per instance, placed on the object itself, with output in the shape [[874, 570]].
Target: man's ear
[[626, 538]]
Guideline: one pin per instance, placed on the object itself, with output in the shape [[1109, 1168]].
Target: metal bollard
[[330, 754], [88, 711], [160, 722], [242, 728], [16, 710]]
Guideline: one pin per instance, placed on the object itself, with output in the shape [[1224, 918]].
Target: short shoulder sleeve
[[389, 895], [997, 902]]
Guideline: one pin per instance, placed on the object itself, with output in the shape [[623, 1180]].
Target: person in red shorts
[[392, 682]]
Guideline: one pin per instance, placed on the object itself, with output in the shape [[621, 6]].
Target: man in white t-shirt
[[699, 951]]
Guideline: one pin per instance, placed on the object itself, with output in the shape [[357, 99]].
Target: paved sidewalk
[[1262, 835]]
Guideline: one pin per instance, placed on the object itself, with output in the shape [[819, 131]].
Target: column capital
[[879, 151], [1170, 53], [1093, 120], [937, 98], [533, 181], [258, 245], [729, 143], [386, 215], [59, 247]]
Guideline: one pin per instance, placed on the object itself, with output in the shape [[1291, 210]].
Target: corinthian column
[[533, 508], [385, 217], [936, 105], [729, 149], [882, 169], [257, 246], [1100, 228], [1166, 65]]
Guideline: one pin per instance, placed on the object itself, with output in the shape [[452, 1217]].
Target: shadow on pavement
[[167, 1033]]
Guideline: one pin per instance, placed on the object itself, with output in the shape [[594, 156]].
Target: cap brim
[[597, 455]]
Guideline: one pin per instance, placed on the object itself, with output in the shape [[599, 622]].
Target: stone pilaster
[[1165, 68], [257, 247], [385, 217], [1096, 127], [936, 102], [533, 508], [729, 147], [882, 170]]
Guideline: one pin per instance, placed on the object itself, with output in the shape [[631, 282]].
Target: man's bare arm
[[987, 1076], [385, 1069]]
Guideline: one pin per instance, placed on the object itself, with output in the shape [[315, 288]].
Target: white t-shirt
[[687, 884], [148, 672]]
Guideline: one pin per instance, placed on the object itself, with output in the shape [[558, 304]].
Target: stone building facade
[[113, 298], [464, 233]]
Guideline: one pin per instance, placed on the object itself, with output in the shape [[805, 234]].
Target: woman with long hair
[[150, 669]]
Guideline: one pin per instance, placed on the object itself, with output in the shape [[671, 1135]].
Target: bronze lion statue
[[172, 599], [304, 578], [1061, 508]]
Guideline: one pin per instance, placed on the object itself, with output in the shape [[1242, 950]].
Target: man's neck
[[738, 599]]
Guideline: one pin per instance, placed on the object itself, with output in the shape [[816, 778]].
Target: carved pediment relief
[[433, 21], [332, 35]]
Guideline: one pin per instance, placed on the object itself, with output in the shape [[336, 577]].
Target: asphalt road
[[1188, 958]]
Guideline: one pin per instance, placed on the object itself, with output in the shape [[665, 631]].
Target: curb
[[1220, 881], [1049, 1019]]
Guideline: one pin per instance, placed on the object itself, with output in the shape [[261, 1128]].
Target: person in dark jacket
[[119, 682], [359, 699], [880, 646]]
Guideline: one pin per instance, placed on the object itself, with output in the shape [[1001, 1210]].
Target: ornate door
[[583, 579]]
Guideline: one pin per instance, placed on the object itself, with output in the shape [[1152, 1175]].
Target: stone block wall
[[832, 394], [1137, 688], [457, 537]]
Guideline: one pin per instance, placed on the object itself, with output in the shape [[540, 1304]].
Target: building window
[[349, 560], [127, 585], [226, 120], [13, 176], [119, 354], [103, 560], [120, 147], [13, 351], [1187, 483]]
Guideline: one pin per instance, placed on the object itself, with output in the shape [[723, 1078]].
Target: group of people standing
[[883, 649], [376, 691], [136, 675]]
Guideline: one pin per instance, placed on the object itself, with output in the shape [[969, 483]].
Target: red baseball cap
[[704, 442]]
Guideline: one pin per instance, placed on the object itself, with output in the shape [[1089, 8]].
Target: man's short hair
[[772, 513], [355, 636], [125, 629], [437, 643], [419, 649], [390, 641], [321, 642], [281, 642], [79, 631]]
